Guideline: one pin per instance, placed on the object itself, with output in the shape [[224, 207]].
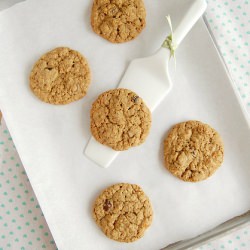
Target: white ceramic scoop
[[149, 78]]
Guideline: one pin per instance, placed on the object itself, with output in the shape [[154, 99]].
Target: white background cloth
[[21, 230]]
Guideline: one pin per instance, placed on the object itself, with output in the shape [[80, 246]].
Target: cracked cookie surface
[[193, 151], [60, 76], [123, 212], [120, 119], [118, 20]]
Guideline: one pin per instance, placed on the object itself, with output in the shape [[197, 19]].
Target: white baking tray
[[50, 140]]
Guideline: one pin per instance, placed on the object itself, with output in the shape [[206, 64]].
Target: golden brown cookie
[[123, 212], [193, 151], [60, 76], [118, 21], [120, 119]]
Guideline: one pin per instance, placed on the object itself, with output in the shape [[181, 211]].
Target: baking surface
[[51, 139]]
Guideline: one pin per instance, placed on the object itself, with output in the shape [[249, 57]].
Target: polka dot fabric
[[238, 240], [22, 224], [229, 21]]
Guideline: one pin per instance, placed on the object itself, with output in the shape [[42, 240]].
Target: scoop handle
[[190, 18]]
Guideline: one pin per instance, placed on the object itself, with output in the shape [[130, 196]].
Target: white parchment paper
[[51, 139]]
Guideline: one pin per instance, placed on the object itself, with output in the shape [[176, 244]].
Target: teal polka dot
[[32, 230], [43, 246], [237, 237]]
